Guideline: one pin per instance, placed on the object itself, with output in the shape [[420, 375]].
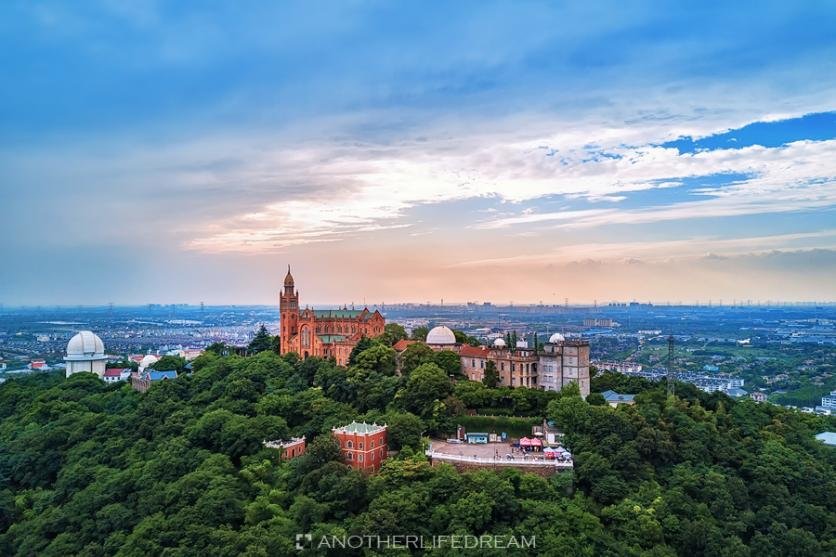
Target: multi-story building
[[474, 360], [363, 446], [330, 333], [562, 362], [829, 401], [516, 368]]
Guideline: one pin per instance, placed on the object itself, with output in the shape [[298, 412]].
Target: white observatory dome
[[441, 335], [499, 343], [148, 361], [555, 338], [85, 345]]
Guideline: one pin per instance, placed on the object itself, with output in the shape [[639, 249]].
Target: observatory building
[[85, 352]]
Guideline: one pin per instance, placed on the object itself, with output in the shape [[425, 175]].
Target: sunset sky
[[413, 151]]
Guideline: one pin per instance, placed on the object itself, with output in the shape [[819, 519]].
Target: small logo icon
[[300, 538]]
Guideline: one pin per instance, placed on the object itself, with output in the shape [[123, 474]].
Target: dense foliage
[[93, 469]]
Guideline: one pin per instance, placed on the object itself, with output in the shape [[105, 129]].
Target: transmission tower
[[670, 365]]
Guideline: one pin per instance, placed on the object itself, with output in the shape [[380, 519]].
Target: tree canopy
[[89, 468]]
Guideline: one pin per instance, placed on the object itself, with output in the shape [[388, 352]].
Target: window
[[360, 458], [350, 456], [472, 363], [349, 444], [372, 443], [361, 444]]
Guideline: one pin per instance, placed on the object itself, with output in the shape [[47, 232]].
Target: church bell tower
[[289, 312]]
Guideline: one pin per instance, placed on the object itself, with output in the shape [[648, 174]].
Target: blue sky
[[530, 151]]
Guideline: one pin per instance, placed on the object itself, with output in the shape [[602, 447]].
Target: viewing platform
[[537, 464]]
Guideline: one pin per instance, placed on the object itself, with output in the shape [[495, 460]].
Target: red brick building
[[363, 446], [290, 449], [330, 333]]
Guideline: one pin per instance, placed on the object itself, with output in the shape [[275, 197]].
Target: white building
[[440, 337], [85, 352]]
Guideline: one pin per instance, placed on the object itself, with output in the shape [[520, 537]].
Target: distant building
[[142, 380], [710, 367], [562, 362], [620, 367], [38, 365], [85, 352], [829, 401], [827, 437], [735, 392], [114, 375], [616, 399], [758, 396], [599, 322], [290, 449], [147, 361], [363, 446], [330, 333]]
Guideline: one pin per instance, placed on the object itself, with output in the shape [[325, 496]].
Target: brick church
[[328, 333]]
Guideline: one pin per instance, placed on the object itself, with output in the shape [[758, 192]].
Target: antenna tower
[[670, 365]]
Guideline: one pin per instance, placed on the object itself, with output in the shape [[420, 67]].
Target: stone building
[[329, 333], [562, 362]]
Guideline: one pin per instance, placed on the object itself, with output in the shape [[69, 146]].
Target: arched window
[[349, 444]]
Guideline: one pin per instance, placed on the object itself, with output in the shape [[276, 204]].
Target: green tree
[[449, 361], [261, 342], [363, 344], [414, 356], [427, 384], [167, 363], [491, 377], [392, 333], [404, 430], [420, 333], [379, 358]]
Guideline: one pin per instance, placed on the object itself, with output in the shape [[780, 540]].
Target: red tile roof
[[402, 344], [114, 372], [473, 351]]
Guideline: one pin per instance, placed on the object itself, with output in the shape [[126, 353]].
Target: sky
[[416, 151]]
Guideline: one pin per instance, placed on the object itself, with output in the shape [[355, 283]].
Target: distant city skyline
[[408, 153]]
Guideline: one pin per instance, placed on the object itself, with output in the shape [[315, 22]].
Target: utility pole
[[670, 365]]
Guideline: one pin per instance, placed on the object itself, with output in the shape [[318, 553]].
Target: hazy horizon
[[471, 152]]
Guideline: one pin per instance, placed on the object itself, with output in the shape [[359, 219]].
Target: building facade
[[363, 446], [330, 333], [562, 362], [290, 449]]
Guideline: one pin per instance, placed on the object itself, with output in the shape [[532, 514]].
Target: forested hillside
[[93, 469]]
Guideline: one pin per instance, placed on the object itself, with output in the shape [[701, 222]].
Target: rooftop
[[337, 313], [357, 427], [612, 396], [827, 437]]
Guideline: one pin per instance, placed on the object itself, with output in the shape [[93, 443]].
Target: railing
[[488, 460]]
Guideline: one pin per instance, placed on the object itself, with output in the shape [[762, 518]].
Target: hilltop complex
[[549, 367], [329, 333]]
